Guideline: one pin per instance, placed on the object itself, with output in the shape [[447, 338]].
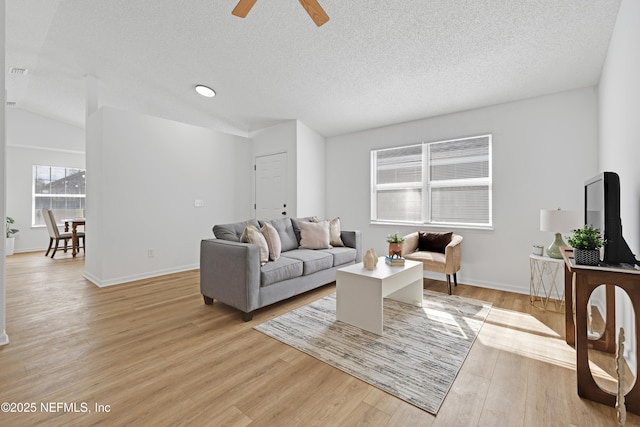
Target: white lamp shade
[[558, 221]]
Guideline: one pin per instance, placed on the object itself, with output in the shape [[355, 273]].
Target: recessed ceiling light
[[205, 91]]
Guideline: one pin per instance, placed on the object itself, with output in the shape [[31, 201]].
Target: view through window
[[60, 189]]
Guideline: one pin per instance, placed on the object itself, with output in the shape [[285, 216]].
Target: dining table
[[74, 222]]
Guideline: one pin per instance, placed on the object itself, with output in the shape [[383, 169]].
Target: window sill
[[437, 226]]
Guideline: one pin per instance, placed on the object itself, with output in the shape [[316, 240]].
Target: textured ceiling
[[374, 63]]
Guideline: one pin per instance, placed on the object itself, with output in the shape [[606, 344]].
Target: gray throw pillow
[[233, 231]]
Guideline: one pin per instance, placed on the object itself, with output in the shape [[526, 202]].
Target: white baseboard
[[26, 250], [4, 338], [481, 283], [132, 278]]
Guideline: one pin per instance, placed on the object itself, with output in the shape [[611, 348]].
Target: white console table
[[543, 283]]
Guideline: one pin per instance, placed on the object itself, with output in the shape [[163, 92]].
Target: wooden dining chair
[[55, 235]]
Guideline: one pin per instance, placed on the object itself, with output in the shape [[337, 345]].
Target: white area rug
[[416, 359]]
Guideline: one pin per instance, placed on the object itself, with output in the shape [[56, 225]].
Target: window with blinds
[[444, 182]]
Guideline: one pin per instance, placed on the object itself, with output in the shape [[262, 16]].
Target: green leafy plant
[[586, 238], [394, 238], [11, 231]]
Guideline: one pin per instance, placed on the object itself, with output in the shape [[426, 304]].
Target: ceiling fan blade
[[243, 7], [315, 11]]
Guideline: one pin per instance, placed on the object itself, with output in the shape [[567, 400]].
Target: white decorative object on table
[[558, 221], [370, 259]]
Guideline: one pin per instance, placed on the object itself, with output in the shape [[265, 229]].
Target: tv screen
[[602, 211], [594, 204]]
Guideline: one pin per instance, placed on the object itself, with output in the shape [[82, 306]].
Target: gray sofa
[[231, 270]]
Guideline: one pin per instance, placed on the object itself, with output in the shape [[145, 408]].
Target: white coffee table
[[359, 292]]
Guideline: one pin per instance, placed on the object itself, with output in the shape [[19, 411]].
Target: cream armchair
[[432, 260]]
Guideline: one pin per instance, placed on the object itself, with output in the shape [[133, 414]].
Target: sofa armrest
[[410, 244], [353, 239], [453, 254], [230, 273]]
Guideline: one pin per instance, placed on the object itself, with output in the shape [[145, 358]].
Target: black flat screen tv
[[602, 211]]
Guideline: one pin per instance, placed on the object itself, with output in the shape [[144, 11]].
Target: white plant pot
[[9, 246]]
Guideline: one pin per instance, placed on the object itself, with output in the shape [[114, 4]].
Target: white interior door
[[271, 186]]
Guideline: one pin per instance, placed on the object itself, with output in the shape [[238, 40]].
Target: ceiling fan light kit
[[313, 8]]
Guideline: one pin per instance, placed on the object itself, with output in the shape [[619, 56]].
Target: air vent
[[11, 103], [18, 71]]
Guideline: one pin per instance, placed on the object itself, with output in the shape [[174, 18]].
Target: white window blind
[[445, 182], [398, 182]]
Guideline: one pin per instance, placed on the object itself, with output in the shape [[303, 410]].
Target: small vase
[[395, 250], [586, 256], [370, 259]]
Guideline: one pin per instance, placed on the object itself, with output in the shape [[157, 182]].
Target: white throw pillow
[[314, 235], [273, 241], [251, 234], [334, 232]]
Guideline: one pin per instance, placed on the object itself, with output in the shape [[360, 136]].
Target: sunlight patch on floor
[[448, 321], [524, 335]]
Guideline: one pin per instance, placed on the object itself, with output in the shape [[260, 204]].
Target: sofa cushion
[[279, 270], [312, 261], [252, 235], [232, 231], [273, 241], [314, 235], [433, 242], [341, 255], [284, 226], [431, 261]]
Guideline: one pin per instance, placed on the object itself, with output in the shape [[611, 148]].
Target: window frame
[[428, 185], [35, 196]]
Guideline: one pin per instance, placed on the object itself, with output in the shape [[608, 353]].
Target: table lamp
[[558, 221]]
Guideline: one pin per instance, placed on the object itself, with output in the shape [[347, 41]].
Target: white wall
[[143, 176], [619, 149], [36, 140], [619, 93], [4, 339], [543, 150], [310, 172]]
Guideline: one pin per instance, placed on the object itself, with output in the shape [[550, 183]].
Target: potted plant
[[10, 233], [586, 243], [395, 245]]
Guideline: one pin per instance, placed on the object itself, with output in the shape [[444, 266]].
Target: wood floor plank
[[154, 354]]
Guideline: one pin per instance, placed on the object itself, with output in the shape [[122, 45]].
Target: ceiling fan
[[313, 8]]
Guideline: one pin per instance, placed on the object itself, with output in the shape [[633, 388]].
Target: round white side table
[[543, 284]]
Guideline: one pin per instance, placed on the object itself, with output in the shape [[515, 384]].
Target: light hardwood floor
[[152, 353]]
